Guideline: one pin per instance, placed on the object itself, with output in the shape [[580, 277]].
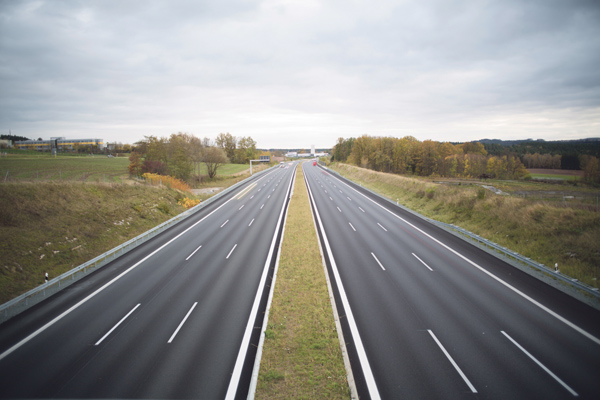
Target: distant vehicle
[[314, 163]]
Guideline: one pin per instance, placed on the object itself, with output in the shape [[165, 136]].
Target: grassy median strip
[[301, 355]]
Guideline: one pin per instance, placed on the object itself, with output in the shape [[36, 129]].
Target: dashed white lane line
[[339, 209], [542, 366], [376, 259], [182, 322], [348, 198], [452, 362], [381, 226], [269, 196], [194, 252], [422, 262], [351, 226], [231, 251], [252, 197], [115, 327], [361, 209], [251, 222], [241, 207], [261, 207], [224, 223], [330, 198]]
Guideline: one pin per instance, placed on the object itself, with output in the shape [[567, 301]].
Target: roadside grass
[[55, 226], [547, 232], [301, 355]]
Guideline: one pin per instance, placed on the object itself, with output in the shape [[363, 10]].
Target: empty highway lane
[[426, 315], [174, 318]]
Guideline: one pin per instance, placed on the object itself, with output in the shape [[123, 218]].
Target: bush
[[481, 193]]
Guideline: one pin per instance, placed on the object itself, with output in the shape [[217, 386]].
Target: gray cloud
[[291, 73]]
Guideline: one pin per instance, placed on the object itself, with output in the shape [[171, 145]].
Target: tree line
[[408, 155], [181, 154]]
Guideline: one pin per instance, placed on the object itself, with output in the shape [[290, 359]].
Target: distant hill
[[589, 146]]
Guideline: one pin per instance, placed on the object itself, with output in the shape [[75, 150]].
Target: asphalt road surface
[[429, 316], [178, 317]]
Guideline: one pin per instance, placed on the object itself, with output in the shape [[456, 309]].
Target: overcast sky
[[291, 73]]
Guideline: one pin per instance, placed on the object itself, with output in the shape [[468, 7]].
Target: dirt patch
[[206, 190]]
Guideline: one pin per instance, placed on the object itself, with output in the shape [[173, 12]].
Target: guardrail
[[583, 292], [34, 296]]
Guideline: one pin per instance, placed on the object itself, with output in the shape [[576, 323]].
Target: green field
[[552, 176], [35, 166], [16, 168]]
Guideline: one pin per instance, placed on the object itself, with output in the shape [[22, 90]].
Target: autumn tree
[[213, 158], [227, 142]]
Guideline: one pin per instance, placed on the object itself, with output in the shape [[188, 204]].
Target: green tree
[[227, 142], [214, 157]]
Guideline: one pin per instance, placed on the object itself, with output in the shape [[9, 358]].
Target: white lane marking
[[182, 322], [258, 190], [452, 362], [340, 191], [251, 222], [423, 262], [264, 184], [239, 362], [261, 207], [360, 349], [273, 190], [330, 198], [376, 259], [381, 226], [122, 274], [269, 196], [339, 209], [194, 252], [361, 209], [517, 291], [115, 327], [224, 223], [351, 226], [326, 192], [241, 207], [348, 198], [542, 366], [231, 251], [252, 197]]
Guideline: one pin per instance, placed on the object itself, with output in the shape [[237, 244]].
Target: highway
[[426, 315], [177, 317]]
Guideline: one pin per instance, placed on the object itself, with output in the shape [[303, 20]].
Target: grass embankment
[[301, 356], [545, 232], [55, 226]]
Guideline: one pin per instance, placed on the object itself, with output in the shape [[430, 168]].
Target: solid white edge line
[[352, 226], [423, 262], [449, 357], [542, 366], [83, 301], [194, 252], [231, 251], [360, 349], [239, 362], [381, 226], [514, 289], [118, 323], [376, 259], [182, 322], [261, 342]]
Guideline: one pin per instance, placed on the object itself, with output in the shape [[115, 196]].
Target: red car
[[314, 163]]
